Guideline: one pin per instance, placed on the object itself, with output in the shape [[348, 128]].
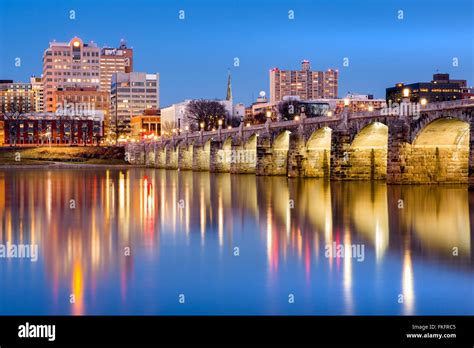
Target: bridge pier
[[271, 160], [201, 155], [160, 157], [217, 158], [150, 154], [243, 157], [185, 156], [340, 158], [296, 156], [136, 154], [398, 131], [171, 156]]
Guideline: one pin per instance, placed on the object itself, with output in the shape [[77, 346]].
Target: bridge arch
[[367, 153], [440, 151], [318, 153]]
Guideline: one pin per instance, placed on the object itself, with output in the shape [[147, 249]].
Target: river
[[147, 241]]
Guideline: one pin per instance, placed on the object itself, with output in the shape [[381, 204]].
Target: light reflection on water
[[182, 229]]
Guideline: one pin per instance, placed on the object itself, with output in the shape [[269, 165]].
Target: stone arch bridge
[[436, 145]]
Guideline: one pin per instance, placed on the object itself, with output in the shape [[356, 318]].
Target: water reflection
[[126, 241]]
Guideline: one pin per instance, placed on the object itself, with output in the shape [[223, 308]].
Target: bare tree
[[167, 127], [288, 109], [13, 117], [208, 112]]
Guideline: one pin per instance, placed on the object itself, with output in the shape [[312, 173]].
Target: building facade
[[51, 129], [304, 83], [114, 60], [16, 97], [80, 101], [131, 94], [441, 88], [175, 116], [146, 125], [37, 86], [69, 64]]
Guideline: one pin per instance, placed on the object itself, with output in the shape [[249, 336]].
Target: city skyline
[[176, 48]]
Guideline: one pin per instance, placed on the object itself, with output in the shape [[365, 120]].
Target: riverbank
[[64, 156]]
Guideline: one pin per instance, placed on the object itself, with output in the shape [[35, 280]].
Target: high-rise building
[[131, 94], [304, 83], [16, 97], [37, 86], [113, 60], [70, 64]]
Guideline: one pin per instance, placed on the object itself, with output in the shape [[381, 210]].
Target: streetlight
[[406, 92], [269, 114], [297, 118], [219, 122], [346, 101], [371, 108], [423, 101], [202, 125]]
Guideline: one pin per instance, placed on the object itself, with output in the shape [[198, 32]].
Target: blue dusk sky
[[194, 54]]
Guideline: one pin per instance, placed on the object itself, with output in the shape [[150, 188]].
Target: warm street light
[[202, 125], [423, 101], [219, 122], [406, 92], [269, 114], [371, 108], [248, 124], [229, 127], [186, 128], [329, 113], [297, 118], [346, 101]]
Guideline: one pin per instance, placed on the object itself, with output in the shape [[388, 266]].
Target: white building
[[174, 116]]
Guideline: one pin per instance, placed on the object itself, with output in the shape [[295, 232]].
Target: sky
[[382, 45]]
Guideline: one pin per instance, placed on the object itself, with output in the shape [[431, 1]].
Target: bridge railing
[[224, 132]]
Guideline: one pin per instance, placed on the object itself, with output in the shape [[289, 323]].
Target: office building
[[16, 97], [304, 83], [69, 64], [37, 86], [114, 60], [131, 94], [441, 88]]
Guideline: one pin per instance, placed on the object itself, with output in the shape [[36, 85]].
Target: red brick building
[[50, 129]]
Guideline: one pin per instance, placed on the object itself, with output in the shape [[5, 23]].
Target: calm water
[[182, 229]]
